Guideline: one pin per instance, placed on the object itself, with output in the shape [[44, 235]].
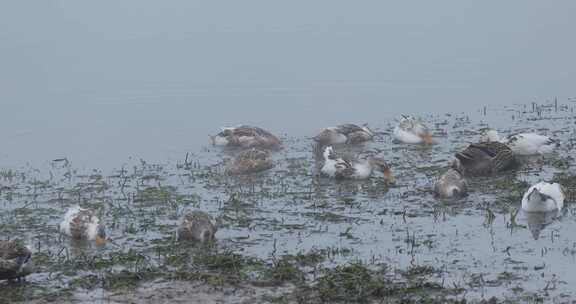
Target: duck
[[196, 226], [246, 137], [523, 143], [15, 260], [412, 130], [451, 184], [344, 134], [83, 224], [341, 168], [251, 161], [485, 158], [543, 197]]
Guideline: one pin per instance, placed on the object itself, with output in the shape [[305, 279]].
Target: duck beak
[[100, 241], [427, 139], [389, 176]]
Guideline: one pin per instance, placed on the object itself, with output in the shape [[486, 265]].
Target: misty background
[[99, 82]]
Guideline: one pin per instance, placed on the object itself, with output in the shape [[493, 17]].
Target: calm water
[[99, 83], [108, 83]]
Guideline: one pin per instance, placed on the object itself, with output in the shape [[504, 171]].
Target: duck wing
[[254, 155], [343, 165], [251, 160], [491, 149], [245, 130], [344, 169], [347, 129], [485, 158], [12, 250]]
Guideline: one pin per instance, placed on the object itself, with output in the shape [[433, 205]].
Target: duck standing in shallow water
[[411, 130], [486, 159], [344, 134], [83, 224], [523, 143], [543, 197], [451, 184], [196, 226], [246, 137], [340, 168], [251, 161], [14, 260]]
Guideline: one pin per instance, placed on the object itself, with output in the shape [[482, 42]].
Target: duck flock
[[490, 156]]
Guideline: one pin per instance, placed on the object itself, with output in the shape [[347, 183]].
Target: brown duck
[[197, 226], [246, 137], [251, 161], [14, 260], [486, 158]]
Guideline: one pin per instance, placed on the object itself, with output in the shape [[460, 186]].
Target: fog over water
[[99, 82]]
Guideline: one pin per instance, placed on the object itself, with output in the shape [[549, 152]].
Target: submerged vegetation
[[289, 236]]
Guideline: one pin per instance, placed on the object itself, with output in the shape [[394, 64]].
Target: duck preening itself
[[543, 197], [83, 224], [339, 167], [14, 260], [451, 184], [196, 226], [251, 161], [246, 137], [411, 130]]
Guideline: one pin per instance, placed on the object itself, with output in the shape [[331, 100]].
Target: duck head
[[489, 135], [382, 166], [223, 138], [427, 138], [100, 238]]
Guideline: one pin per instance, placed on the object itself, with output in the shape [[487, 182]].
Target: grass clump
[[351, 283]]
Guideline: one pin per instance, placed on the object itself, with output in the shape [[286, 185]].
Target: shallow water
[[480, 243], [105, 112]]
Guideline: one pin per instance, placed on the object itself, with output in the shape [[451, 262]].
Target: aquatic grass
[[290, 207], [351, 283]]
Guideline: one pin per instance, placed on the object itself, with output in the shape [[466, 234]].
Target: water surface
[[101, 82]]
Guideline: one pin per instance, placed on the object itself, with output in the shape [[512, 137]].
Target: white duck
[[543, 197], [344, 134], [83, 224], [340, 168], [411, 130], [523, 143]]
